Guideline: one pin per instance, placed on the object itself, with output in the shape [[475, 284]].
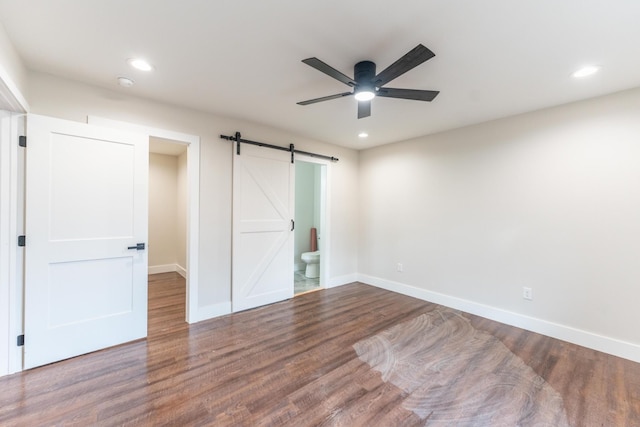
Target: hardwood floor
[[291, 363]]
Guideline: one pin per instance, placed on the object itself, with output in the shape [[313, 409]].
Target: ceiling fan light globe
[[365, 95]]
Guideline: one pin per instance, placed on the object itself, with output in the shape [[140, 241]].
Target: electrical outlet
[[527, 293], [399, 268]]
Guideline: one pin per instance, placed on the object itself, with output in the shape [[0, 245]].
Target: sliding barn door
[[86, 211], [263, 196]]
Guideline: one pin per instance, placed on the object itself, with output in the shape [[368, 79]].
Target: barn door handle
[[293, 225], [138, 246]]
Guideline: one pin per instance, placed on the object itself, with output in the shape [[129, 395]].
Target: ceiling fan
[[367, 85]]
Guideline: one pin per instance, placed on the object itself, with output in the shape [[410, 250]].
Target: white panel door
[[263, 196], [86, 204]]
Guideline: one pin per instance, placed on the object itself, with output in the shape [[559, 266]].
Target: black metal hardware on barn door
[[237, 137], [138, 246]]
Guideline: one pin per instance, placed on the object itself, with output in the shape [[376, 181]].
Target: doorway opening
[[167, 248], [310, 246], [192, 144], [167, 206]]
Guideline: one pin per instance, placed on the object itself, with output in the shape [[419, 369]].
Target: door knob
[[138, 246]]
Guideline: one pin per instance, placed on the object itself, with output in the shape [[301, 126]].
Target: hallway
[[166, 310]]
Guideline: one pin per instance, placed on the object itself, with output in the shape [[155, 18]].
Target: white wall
[[548, 200], [69, 100], [181, 213], [163, 210]]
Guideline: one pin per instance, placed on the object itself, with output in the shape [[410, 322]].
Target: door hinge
[[22, 141], [22, 240], [20, 340]]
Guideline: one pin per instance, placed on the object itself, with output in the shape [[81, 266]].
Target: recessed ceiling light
[[140, 64], [363, 135], [586, 71], [125, 81]]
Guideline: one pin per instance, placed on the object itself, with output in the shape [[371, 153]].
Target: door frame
[[325, 223], [193, 199], [11, 225]]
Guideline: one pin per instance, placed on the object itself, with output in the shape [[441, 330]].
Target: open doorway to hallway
[[167, 206], [166, 304], [167, 247]]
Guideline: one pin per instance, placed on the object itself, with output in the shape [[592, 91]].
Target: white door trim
[[11, 257], [193, 204]]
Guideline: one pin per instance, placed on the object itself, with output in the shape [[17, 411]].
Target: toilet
[[312, 259]]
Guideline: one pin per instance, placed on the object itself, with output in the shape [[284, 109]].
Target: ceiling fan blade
[[329, 70], [411, 59], [325, 98], [418, 95], [364, 109]]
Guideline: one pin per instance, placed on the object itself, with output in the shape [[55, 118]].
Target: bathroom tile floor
[[303, 283]]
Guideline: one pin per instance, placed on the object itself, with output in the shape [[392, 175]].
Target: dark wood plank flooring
[[291, 363]]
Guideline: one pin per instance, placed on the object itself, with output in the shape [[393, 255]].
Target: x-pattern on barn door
[[263, 205]]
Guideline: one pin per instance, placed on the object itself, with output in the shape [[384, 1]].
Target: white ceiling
[[241, 58]]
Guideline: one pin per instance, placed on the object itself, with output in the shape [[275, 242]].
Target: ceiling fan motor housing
[[363, 73]]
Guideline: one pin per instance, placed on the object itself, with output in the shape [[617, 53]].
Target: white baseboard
[[223, 308], [300, 266], [580, 337], [181, 270], [341, 280], [167, 268], [213, 310]]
